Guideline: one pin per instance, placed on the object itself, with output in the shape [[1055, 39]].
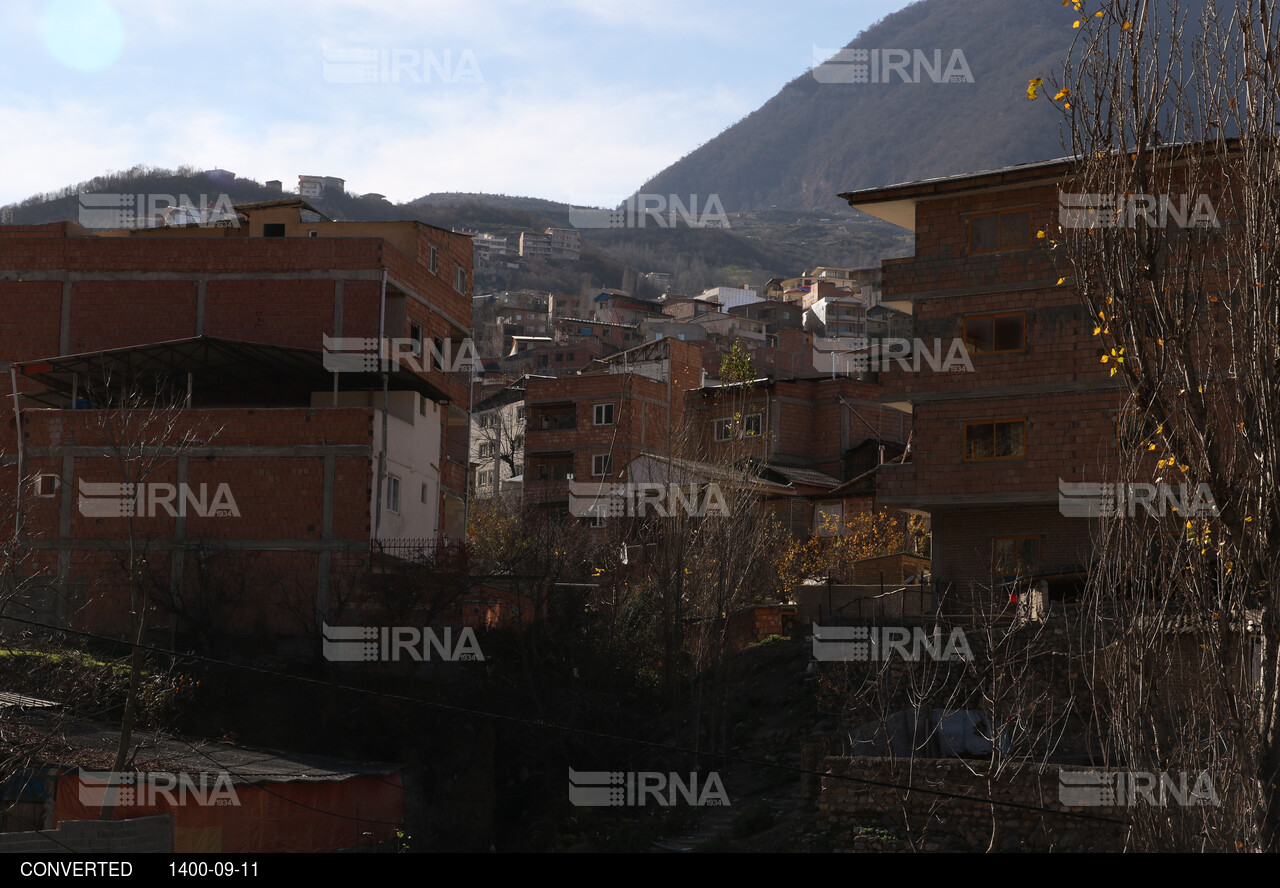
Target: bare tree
[[1171, 112]]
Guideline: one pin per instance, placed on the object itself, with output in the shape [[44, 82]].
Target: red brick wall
[[279, 497]]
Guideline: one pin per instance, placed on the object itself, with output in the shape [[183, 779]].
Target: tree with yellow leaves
[[1171, 112]]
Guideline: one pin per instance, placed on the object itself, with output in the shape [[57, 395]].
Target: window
[[602, 464], [1015, 556], [999, 231], [484, 479], [433, 260], [437, 357], [827, 518], [487, 420], [273, 229], [994, 334], [46, 485], [519, 413], [459, 279], [596, 520], [415, 338], [422, 405], [424, 492], [486, 449], [393, 494], [752, 426], [1000, 439], [313, 233], [604, 414]]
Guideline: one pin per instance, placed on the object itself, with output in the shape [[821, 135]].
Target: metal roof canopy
[[210, 360]]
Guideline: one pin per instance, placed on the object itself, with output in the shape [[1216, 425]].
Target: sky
[[570, 100]]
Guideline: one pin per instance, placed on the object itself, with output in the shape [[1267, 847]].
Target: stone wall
[[930, 822]]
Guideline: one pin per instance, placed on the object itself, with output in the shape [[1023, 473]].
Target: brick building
[[269, 477], [990, 447], [591, 426]]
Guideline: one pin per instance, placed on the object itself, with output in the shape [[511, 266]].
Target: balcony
[[554, 423], [441, 554]]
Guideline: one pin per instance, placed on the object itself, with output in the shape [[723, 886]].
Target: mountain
[[815, 139], [752, 248]]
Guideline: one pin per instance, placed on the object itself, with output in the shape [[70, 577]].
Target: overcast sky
[[571, 100]]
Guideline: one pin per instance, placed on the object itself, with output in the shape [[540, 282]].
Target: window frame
[[393, 494], [433, 259], [993, 317], [595, 414], [964, 438], [595, 465], [998, 213], [1015, 539]]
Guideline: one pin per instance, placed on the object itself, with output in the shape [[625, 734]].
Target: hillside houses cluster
[[256, 328]]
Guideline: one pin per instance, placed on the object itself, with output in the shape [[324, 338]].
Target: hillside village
[[316, 536]]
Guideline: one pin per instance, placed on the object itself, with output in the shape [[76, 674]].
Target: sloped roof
[[92, 745]]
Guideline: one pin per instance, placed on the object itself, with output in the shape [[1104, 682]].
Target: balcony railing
[[546, 423], [440, 553]]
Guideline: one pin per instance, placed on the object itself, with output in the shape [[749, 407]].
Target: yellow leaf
[[1077, 24], [1097, 330], [1032, 85], [1040, 234], [1062, 94], [1098, 14], [1126, 26], [1106, 358]]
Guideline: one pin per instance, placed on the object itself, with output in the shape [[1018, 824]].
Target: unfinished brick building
[[269, 481], [990, 446], [804, 437]]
